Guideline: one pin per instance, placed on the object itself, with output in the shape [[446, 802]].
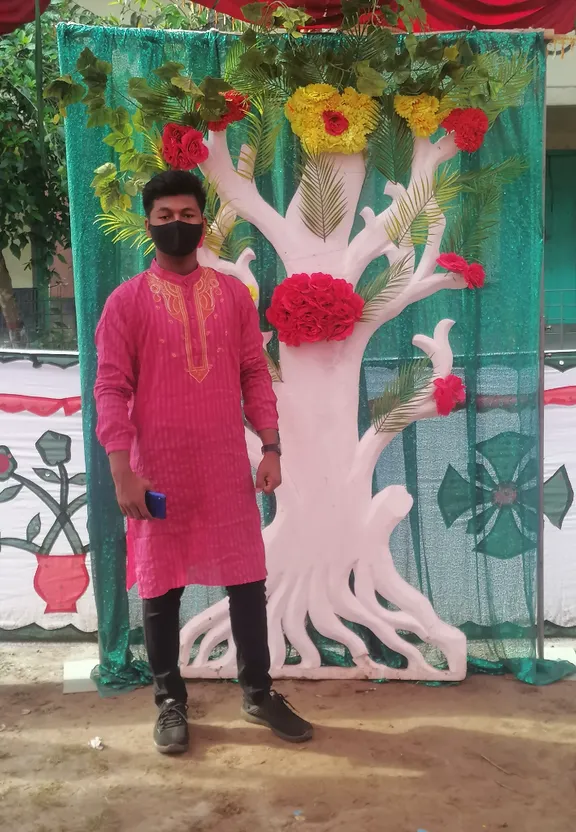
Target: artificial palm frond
[[264, 126], [125, 226], [322, 196], [422, 207], [233, 56], [392, 145], [273, 368], [385, 287], [397, 406], [222, 237], [472, 227], [508, 78], [254, 82], [496, 174], [153, 144]]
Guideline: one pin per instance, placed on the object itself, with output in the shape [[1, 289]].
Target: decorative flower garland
[[448, 392], [316, 307], [331, 122], [473, 273]]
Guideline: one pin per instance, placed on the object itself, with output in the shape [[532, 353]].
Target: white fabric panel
[[20, 605]]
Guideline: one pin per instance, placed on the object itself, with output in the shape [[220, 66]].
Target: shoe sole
[[171, 749], [254, 720]]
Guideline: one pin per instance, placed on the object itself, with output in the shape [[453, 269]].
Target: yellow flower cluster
[[305, 111], [424, 113]]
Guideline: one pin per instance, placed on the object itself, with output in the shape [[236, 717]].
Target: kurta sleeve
[[259, 397], [116, 376]]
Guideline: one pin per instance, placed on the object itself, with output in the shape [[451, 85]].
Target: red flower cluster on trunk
[[448, 392], [473, 273], [183, 147], [237, 106], [316, 307], [469, 127]]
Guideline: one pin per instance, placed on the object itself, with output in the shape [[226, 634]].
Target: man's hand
[[130, 488], [269, 475]]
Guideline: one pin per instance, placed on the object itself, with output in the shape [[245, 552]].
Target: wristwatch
[[272, 449]]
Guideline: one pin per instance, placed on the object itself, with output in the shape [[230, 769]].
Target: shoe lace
[[172, 715], [282, 701]]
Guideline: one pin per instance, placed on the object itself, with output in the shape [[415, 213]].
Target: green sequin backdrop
[[468, 549]]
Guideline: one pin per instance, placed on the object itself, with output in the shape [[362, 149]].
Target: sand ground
[[490, 754]]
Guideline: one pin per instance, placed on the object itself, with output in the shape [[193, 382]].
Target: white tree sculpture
[[327, 523], [373, 100]]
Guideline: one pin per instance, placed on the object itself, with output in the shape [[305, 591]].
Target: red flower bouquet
[[183, 147], [448, 392], [473, 273], [317, 307], [237, 106], [469, 127], [335, 123]]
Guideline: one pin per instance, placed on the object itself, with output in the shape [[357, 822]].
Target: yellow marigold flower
[[451, 53], [305, 111], [403, 105], [424, 124]]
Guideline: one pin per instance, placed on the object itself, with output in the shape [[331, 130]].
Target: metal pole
[[540, 541]]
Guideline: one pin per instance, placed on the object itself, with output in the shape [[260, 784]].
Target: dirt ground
[[490, 754]]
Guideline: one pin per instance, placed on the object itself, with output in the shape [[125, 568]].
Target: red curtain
[[14, 13], [559, 15]]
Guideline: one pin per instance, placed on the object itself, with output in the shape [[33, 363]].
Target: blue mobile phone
[[156, 505]]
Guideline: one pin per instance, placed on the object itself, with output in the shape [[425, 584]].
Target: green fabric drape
[[471, 552]]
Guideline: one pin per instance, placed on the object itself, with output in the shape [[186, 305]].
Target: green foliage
[[422, 207], [385, 287], [264, 125], [391, 144], [227, 239], [322, 198], [125, 226], [397, 406]]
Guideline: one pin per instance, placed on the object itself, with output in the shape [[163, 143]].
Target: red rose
[[448, 392], [334, 122], [183, 147], [474, 275], [469, 126], [237, 106], [309, 308], [452, 262]]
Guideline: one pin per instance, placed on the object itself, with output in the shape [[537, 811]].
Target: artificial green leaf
[[10, 493], [322, 195], [119, 141], [64, 90], [398, 404], [34, 528], [422, 207], [369, 81], [254, 12], [187, 85], [169, 71]]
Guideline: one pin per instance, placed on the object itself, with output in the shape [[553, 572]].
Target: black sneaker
[[171, 729], [276, 713]]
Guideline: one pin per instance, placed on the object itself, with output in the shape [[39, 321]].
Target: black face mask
[[177, 239]]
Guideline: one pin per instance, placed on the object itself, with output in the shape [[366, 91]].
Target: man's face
[[167, 209]]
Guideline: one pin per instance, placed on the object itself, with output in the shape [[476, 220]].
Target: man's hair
[[173, 183]]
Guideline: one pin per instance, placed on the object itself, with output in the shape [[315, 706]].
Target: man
[[179, 351]]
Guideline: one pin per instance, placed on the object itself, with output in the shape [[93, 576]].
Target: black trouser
[[249, 630]]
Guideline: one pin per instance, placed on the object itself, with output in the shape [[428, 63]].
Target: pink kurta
[[176, 357]]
